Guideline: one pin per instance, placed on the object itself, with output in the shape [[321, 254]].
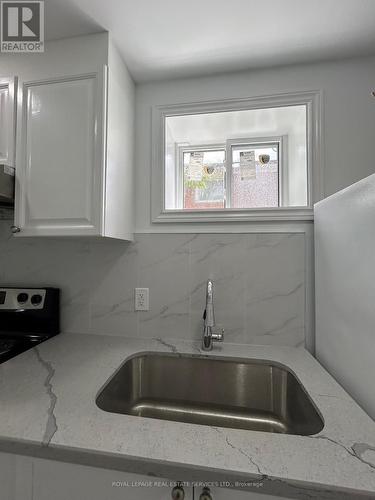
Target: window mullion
[[179, 177], [228, 175]]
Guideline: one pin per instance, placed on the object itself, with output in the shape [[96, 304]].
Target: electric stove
[[28, 316]]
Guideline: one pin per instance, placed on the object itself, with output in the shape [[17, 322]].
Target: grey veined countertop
[[47, 409]]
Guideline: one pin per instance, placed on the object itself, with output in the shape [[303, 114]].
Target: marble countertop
[[47, 409]]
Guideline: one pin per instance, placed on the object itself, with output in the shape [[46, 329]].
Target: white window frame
[[181, 150], [313, 102], [227, 147]]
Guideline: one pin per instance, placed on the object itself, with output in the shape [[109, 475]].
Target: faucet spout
[[209, 315], [209, 320]]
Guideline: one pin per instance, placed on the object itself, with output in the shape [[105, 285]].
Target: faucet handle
[[218, 337]]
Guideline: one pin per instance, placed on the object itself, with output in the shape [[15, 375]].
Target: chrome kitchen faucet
[[209, 337]]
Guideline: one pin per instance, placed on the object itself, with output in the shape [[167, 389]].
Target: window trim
[[313, 102]]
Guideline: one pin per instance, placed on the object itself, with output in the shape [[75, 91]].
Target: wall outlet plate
[[141, 299]]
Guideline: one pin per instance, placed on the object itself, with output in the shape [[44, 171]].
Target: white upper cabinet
[[61, 161], [74, 172], [8, 89]]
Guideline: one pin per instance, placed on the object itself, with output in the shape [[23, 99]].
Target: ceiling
[[162, 39]]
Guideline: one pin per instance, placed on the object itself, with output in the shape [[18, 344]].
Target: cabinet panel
[[61, 157], [15, 477], [7, 477], [231, 494], [62, 481], [60, 150], [26, 478], [7, 120]]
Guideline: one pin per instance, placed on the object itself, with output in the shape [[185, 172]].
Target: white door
[[8, 87], [61, 156]]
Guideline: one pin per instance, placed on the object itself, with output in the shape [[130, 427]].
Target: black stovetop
[[10, 346], [28, 316]]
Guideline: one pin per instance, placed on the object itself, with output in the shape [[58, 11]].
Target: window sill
[[235, 215]]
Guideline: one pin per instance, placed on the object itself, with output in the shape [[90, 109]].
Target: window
[[239, 174], [254, 162], [202, 173], [255, 174]]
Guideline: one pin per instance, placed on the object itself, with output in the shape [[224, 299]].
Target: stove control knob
[[22, 297], [36, 299]]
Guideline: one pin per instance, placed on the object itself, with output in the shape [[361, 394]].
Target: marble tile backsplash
[[259, 283]]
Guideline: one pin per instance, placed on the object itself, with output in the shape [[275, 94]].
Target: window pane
[[204, 176], [255, 176]]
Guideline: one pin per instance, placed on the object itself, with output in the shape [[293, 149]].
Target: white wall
[[348, 120], [61, 57], [345, 289]]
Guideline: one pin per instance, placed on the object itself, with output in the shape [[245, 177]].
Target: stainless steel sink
[[223, 392]]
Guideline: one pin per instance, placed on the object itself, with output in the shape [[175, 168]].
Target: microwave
[[6, 185]]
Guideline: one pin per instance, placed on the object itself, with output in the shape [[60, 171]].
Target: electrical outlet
[[141, 300]]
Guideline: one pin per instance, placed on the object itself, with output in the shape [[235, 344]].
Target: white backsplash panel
[[259, 283]]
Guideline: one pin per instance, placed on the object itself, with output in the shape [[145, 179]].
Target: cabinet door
[[59, 188], [15, 477], [236, 494], [63, 481], [8, 87]]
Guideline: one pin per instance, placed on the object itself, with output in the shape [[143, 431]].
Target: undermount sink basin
[[223, 392]]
